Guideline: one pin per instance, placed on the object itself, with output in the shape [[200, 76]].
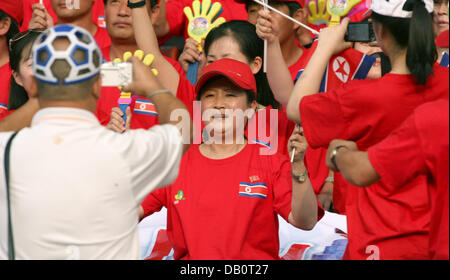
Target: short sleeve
[[399, 157], [153, 157], [322, 118]]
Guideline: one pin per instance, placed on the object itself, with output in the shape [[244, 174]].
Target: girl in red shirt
[[389, 224]]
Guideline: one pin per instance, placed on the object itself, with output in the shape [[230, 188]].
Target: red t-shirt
[[226, 209], [366, 112], [300, 64], [420, 146], [5, 79], [144, 114], [342, 68], [101, 36], [98, 12], [178, 21]]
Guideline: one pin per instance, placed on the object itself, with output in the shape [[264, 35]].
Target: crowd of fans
[[279, 119]]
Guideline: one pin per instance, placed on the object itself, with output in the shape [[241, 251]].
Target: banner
[[327, 241]]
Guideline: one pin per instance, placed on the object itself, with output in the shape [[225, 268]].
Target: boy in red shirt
[[225, 201], [120, 28], [81, 16], [418, 146]]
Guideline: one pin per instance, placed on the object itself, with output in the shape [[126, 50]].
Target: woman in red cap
[[225, 201]]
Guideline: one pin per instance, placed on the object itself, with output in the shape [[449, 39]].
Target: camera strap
[[11, 251]]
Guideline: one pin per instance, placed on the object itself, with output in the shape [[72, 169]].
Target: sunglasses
[[19, 36]]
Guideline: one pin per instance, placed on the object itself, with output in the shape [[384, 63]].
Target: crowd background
[[316, 89]]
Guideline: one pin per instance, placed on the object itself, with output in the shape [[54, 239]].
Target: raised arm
[[331, 41], [304, 208], [278, 74], [148, 42]]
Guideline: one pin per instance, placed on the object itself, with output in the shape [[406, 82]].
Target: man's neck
[[291, 52], [85, 105], [118, 49], [84, 21]]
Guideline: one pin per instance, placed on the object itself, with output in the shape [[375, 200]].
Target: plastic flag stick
[[288, 17]]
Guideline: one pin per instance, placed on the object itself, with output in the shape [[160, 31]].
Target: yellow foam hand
[[201, 17], [318, 13], [340, 8], [147, 60]]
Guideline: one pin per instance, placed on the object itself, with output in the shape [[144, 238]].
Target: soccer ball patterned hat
[[83, 66]]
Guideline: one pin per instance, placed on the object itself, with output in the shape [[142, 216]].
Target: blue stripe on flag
[[445, 60], [253, 185], [253, 195], [364, 67]]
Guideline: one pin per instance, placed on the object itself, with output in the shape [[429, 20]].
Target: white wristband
[[158, 92]]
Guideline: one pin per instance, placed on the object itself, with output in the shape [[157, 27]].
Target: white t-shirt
[[76, 186]]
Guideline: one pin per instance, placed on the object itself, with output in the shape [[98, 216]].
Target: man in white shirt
[[75, 187]]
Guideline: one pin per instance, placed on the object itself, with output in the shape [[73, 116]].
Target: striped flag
[[253, 190], [342, 68], [145, 107]]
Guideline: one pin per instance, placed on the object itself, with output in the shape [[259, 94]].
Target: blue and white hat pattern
[[45, 55]]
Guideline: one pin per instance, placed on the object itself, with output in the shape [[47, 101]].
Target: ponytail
[[422, 53], [415, 34]]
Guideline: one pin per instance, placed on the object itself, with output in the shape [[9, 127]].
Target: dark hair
[[416, 34], [244, 33], [153, 3], [17, 94], [292, 5], [13, 29]]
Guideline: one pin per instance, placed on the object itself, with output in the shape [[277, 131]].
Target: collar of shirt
[[64, 114]]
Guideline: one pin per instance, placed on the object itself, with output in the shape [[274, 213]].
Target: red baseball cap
[[237, 72], [14, 9]]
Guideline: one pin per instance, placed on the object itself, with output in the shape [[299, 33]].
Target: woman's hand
[[191, 54], [298, 142], [332, 38]]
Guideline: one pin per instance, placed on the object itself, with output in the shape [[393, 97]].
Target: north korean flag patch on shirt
[[253, 190], [145, 107]]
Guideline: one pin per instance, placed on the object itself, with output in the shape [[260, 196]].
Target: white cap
[[396, 8]]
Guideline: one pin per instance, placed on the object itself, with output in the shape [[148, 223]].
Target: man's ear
[[302, 16], [154, 13], [5, 24], [97, 87]]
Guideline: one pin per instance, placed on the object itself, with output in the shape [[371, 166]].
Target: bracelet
[[334, 153], [136, 5], [300, 178], [158, 92]]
